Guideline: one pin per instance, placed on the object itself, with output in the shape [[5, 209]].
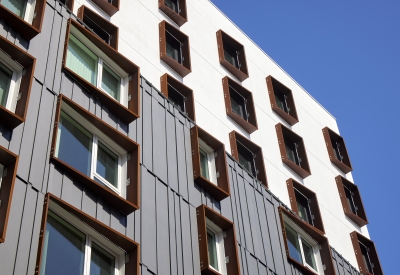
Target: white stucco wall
[[138, 29]]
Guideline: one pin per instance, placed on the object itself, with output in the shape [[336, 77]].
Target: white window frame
[[1, 174], [91, 236], [108, 142], [212, 170], [301, 234], [220, 248], [29, 11], [102, 58], [17, 71]]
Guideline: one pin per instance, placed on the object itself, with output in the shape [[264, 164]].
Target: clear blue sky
[[346, 54]]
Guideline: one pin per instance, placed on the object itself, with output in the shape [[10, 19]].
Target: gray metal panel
[[171, 152], [60, 52], [146, 132], [80, 96], [186, 239], [163, 259], [252, 264], [178, 230], [195, 243], [172, 232], [159, 144], [237, 217], [71, 191], [89, 202], [245, 215], [181, 163], [103, 211]]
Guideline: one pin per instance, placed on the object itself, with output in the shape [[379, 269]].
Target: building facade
[[154, 137]]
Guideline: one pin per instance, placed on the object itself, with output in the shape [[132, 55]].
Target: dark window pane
[[107, 164], [293, 244], [101, 262], [110, 82], [246, 158], [177, 98], [64, 248], [291, 152], [230, 55], [105, 36], [350, 201], [303, 207], [73, 135], [204, 164], [336, 151], [5, 81], [280, 99], [212, 249], [173, 5], [173, 47], [238, 103], [366, 259], [308, 254]]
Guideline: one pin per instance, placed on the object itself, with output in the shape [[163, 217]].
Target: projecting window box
[[210, 169], [103, 159], [24, 16], [101, 70], [108, 6], [72, 242], [337, 150], [174, 9], [366, 255], [68, 3]]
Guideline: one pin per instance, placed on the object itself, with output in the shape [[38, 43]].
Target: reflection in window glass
[[110, 82], [212, 249], [303, 207], [5, 82], [238, 103], [173, 47], [291, 152], [308, 254], [230, 55], [204, 164], [101, 262], [246, 158], [366, 259], [16, 6], [177, 98], [173, 5], [350, 201], [293, 244], [107, 164]]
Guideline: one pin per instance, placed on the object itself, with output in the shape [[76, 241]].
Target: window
[[24, 16], [101, 70], [8, 172], [174, 48], [304, 203], [68, 3], [217, 243], [351, 201], [292, 151], [282, 101], [174, 9], [249, 155], [306, 247], [103, 159], [366, 255], [103, 28], [74, 243], [16, 75], [179, 95], [232, 56], [239, 105], [108, 6], [209, 163], [337, 150]]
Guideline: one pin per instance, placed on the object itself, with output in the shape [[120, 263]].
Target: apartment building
[[154, 137]]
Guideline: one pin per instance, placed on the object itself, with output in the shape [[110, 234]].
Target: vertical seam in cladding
[[33, 227]]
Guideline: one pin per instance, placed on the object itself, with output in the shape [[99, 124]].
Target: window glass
[[105, 36], [107, 164], [293, 244], [308, 254], [280, 99], [238, 103], [177, 98], [336, 150], [364, 253], [246, 158], [172, 4], [204, 164], [303, 207], [230, 55], [81, 60], [64, 248], [291, 152], [212, 249], [73, 135], [16, 6], [5, 81], [173, 47], [110, 82], [101, 262], [349, 199]]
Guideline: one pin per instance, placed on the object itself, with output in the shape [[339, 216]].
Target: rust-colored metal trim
[[108, 8], [127, 115], [325, 251], [291, 186], [251, 125], [131, 203], [130, 246], [283, 134], [105, 24], [330, 136], [355, 239], [230, 245], [10, 162], [183, 89], [255, 149], [182, 69], [223, 38], [361, 218], [221, 190], [180, 18], [275, 86], [9, 119]]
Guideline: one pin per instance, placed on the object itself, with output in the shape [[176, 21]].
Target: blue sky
[[346, 54]]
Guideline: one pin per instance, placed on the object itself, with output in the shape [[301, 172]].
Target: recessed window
[[103, 159], [108, 75], [366, 255], [103, 28], [351, 201], [293, 151], [217, 243], [232, 55], [68, 3], [337, 150], [304, 203], [209, 163], [174, 9], [108, 6], [72, 242], [249, 155], [174, 48], [239, 104], [22, 8], [281, 99], [179, 95], [10, 78]]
